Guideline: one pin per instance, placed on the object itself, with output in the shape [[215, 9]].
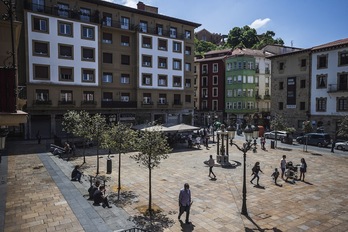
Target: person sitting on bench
[[92, 189], [76, 174], [59, 150], [100, 197]]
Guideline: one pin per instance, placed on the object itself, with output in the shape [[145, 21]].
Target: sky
[[300, 23]]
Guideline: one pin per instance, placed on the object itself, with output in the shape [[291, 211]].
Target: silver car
[[341, 145], [272, 135]]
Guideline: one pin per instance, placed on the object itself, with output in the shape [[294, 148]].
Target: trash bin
[[108, 166], [272, 144]]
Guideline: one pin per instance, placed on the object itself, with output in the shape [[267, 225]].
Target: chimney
[[142, 6]]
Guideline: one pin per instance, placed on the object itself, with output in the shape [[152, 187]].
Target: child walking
[[256, 169], [275, 175]]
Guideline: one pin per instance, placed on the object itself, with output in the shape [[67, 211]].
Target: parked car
[[272, 135], [316, 139], [341, 145]]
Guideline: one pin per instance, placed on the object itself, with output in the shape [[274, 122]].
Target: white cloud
[[129, 3], [259, 23]]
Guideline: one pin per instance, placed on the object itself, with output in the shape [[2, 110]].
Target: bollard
[[272, 144], [108, 166]]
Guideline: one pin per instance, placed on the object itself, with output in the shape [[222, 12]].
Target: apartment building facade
[[329, 85], [211, 99], [291, 87], [130, 65]]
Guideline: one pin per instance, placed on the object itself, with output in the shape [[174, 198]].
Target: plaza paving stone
[[36, 199]]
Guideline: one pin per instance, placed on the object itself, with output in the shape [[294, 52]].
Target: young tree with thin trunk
[[152, 146], [121, 139]]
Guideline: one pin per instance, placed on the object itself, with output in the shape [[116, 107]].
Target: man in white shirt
[[283, 165]]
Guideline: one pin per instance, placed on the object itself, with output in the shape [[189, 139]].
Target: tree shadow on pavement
[[126, 198], [158, 223]]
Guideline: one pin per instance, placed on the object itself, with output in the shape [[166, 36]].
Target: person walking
[[283, 165], [275, 175], [211, 164], [263, 142], [256, 169], [303, 169], [185, 202], [333, 143]]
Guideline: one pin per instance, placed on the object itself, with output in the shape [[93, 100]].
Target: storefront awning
[[13, 119]]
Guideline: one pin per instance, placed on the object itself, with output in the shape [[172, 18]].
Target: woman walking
[[303, 169], [256, 169]]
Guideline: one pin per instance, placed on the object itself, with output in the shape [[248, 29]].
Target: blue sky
[[301, 23]]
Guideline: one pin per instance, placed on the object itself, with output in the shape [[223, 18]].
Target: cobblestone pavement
[[36, 201]]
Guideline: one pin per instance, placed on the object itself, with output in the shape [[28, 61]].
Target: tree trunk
[[150, 192], [119, 176]]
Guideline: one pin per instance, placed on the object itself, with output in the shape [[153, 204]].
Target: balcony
[[177, 103], [333, 88], [118, 104], [42, 102], [267, 97], [88, 103], [147, 104], [63, 13], [162, 104], [66, 103]]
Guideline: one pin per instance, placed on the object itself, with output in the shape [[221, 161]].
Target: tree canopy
[[202, 47]]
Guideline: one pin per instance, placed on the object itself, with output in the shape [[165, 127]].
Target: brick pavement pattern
[[319, 204]]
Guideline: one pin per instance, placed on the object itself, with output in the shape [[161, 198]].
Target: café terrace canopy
[[166, 128]]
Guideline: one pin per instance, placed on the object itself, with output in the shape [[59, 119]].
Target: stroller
[[291, 172]]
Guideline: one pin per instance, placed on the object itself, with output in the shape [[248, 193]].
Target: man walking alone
[[211, 164]]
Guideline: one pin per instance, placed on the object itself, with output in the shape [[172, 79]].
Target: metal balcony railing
[[118, 104], [337, 88]]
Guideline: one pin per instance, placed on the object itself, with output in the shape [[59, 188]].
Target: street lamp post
[[251, 133]]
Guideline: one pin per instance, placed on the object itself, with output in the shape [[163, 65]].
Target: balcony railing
[[88, 103], [42, 102], [118, 104], [337, 88], [64, 13], [177, 103], [66, 103]]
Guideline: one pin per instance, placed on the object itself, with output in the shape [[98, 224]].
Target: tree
[[97, 126], [121, 139], [153, 147], [307, 127], [202, 47], [71, 119], [343, 127]]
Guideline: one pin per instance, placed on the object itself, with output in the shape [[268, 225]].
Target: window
[[124, 23], [188, 67], [162, 98], [205, 81], [88, 96], [215, 68], [280, 106], [42, 95], [85, 14], [65, 51], [321, 104], [125, 78], [176, 46], [66, 74], [229, 93], [107, 38], [176, 64], [172, 32], [187, 34], [125, 40], [302, 105], [107, 96], [125, 97], [88, 75], [343, 58], [87, 32], [38, 5], [107, 19], [41, 72], [342, 104], [177, 99], [125, 59], [162, 80], [303, 63], [147, 61], [65, 29], [143, 26], [40, 48], [204, 69], [215, 92], [321, 81], [63, 10], [162, 44], [343, 81], [66, 96], [229, 105], [176, 81], [229, 80], [188, 98], [187, 83], [40, 24], [281, 66], [107, 77], [322, 61], [162, 62], [303, 84], [204, 93], [147, 79], [159, 29], [87, 54], [107, 58], [281, 85], [147, 42], [187, 50], [147, 98]]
